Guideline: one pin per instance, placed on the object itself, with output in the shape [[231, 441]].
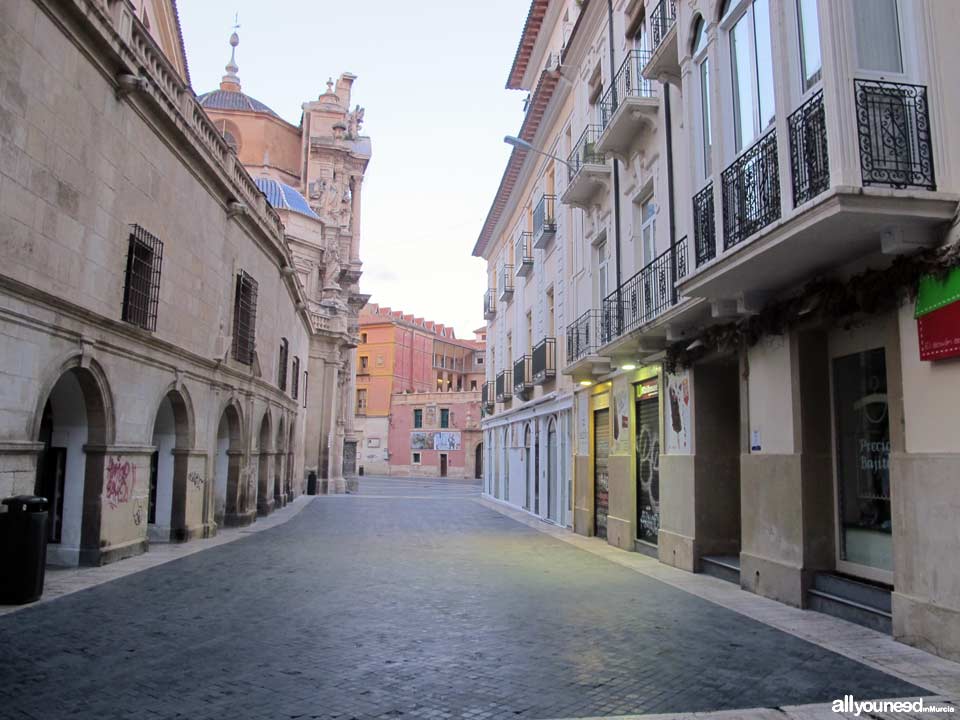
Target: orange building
[[422, 367]]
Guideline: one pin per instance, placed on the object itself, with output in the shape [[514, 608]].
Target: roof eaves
[[528, 38]]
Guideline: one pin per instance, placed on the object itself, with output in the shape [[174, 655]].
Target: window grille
[[306, 377], [282, 364], [245, 319], [141, 290]]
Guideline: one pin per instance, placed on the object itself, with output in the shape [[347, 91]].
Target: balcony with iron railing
[[587, 169], [583, 336], [544, 222], [628, 110], [664, 59], [544, 361], [489, 305], [506, 283], [523, 377], [523, 254], [486, 398], [504, 386], [786, 230]]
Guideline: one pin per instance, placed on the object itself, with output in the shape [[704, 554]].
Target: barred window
[[295, 378], [245, 319], [141, 289], [282, 364], [306, 376]]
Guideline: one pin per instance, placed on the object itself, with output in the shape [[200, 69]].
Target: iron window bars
[[751, 191], [245, 319], [628, 82], [893, 123], [141, 289], [704, 227], [808, 150], [585, 151], [295, 378], [282, 364]]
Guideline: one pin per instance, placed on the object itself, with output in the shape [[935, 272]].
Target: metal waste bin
[[23, 533]]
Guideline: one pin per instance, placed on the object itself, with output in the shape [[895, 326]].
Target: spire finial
[[231, 80], [329, 86]]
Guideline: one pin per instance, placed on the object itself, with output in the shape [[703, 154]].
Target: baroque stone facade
[[165, 354]]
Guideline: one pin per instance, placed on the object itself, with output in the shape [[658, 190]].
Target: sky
[[431, 78]]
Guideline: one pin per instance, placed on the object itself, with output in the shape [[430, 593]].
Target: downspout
[[670, 201], [616, 175]]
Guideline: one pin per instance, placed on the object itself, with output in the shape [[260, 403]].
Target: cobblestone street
[[411, 599]]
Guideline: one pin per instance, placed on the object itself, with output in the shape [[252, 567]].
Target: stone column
[[355, 219]]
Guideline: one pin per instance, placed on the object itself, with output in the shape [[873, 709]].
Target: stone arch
[[229, 486], [719, 9], [172, 437], [690, 37], [74, 421], [264, 440]]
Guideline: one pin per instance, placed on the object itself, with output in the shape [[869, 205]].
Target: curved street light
[[524, 145]]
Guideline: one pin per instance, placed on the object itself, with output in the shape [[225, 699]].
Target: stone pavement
[[411, 599]]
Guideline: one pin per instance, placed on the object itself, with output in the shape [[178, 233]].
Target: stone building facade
[[749, 193], [155, 331], [418, 396]]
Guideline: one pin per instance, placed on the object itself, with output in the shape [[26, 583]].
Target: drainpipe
[[616, 174], [670, 201]]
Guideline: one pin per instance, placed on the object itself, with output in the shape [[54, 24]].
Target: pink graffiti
[[121, 477]]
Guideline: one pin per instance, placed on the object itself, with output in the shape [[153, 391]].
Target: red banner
[[940, 333]]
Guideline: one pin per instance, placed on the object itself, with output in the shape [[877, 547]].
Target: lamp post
[[524, 145]]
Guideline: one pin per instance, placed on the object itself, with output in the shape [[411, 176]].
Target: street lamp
[[524, 145]]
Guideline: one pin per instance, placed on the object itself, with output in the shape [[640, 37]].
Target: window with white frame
[[648, 230], [702, 63], [751, 61], [602, 262], [808, 30], [877, 24]]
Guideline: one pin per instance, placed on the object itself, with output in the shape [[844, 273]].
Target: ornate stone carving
[[354, 123]]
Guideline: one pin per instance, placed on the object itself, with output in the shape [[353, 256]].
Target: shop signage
[[938, 317]]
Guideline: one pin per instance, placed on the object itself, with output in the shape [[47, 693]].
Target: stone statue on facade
[[354, 123]]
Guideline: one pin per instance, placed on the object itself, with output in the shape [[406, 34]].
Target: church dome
[[283, 197], [233, 100]]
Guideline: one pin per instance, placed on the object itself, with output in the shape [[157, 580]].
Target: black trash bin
[[24, 561], [312, 484]]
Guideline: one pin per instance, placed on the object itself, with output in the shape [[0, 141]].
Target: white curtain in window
[[878, 35]]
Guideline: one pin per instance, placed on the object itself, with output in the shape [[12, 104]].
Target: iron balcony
[[544, 222], [489, 305], [506, 283], [544, 360], [587, 169], [523, 376], [523, 254], [504, 386], [664, 60], [628, 110]]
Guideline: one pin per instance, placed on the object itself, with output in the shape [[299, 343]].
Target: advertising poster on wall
[[421, 441], [446, 441], [678, 413], [620, 410]]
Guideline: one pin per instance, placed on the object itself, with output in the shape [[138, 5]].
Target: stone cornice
[[116, 43]]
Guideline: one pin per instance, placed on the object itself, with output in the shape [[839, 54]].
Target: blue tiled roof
[[284, 197], [230, 100]]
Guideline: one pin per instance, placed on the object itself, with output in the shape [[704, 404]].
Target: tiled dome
[[283, 197]]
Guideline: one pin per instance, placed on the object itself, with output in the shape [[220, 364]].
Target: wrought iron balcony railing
[[808, 150], [585, 151], [506, 282], [544, 221], [504, 386], [683, 266], [486, 396], [704, 226], [489, 305], [641, 299], [628, 82], [544, 360], [583, 336], [893, 123], [751, 192], [663, 17], [523, 376], [523, 254]]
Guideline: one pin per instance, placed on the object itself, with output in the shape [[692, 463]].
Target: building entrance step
[[725, 567], [860, 602]]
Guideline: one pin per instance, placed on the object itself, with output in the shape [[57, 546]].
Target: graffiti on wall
[[121, 477], [138, 512], [196, 479]]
